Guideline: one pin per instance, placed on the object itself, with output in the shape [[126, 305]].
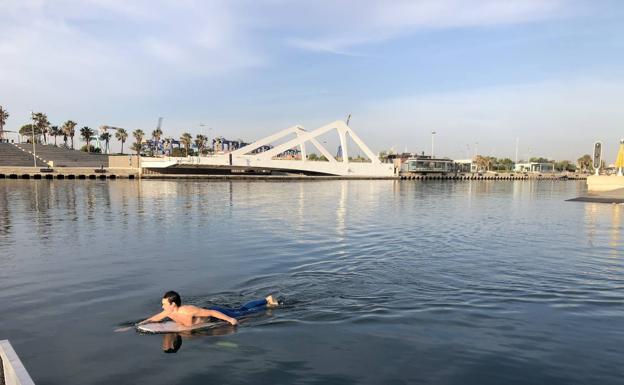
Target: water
[[471, 282]]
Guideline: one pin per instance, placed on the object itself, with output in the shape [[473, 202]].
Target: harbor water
[[381, 282]]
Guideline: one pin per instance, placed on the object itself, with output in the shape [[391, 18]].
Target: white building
[[534, 167]]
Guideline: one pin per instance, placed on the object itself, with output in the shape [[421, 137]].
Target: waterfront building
[[466, 165], [427, 164], [534, 167]]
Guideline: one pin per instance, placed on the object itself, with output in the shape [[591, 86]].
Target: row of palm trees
[[41, 129], [186, 140]]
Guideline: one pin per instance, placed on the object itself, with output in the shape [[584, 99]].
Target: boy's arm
[[216, 314], [155, 318]]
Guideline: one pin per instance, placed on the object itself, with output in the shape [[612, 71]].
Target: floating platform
[[596, 199]]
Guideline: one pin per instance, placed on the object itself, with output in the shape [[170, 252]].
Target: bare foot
[[271, 302]]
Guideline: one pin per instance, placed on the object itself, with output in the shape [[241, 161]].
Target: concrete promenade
[[13, 371]]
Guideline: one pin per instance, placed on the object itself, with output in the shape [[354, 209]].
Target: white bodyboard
[[172, 327]]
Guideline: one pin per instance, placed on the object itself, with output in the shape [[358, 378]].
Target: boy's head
[[170, 299]]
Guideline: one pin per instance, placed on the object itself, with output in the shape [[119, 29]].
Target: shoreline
[[113, 173]]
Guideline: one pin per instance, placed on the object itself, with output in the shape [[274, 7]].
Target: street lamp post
[[32, 129], [432, 136], [209, 132]]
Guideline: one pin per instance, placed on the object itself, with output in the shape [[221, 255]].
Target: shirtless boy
[[188, 315]]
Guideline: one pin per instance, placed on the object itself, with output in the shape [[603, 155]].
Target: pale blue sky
[[547, 72]]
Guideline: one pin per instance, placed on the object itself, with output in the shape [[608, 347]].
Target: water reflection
[[172, 342], [616, 229], [597, 216]]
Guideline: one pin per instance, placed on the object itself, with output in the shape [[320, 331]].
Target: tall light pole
[[32, 129], [432, 136], [209, 132]]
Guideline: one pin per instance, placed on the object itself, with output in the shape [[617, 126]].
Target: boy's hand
[[234, 322]]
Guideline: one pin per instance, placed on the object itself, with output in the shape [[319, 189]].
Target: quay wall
[[491, 176], [605, 183], [67, 173], [135, 173]]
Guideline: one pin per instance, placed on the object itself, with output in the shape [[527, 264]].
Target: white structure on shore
[[252, 156], [534, 167]]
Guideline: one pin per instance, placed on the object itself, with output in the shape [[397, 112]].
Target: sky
[[543, 76]]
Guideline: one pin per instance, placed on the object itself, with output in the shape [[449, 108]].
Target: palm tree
[[55, 131], [41, 124], [106, 138], [136, 146], [200, 143], [87, 133], [156, 134], [121, 135], [138, 136], [4, 115], [186, 140], [69, 129]]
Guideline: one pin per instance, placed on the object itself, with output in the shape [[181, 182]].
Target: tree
[[138, 137], [41, 124], [585, 163], [121, 135], [482, 162], [69, 129], [539, 160], [27, 130], [87, 133], [156, 135], [90, 148], [200, 143], [54, 132], [564, 165], [137, 146], [186, 139], [4, 115], [105, 136], [506, 163]]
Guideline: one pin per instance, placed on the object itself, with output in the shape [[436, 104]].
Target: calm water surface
[[383, 282]]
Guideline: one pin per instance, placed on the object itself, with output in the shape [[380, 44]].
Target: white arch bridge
[[249, 158]]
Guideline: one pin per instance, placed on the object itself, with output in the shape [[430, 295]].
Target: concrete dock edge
[[13, 370]]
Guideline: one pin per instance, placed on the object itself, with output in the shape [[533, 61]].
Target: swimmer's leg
[[252, 306], [258, 305], [234, 313], [271, 302]]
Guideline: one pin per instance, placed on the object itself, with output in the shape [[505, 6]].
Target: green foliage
[[90, 148], [137, 147], [200, 143], [4, 115], [27, 129], [186, 140], [87, 133], [121, 135], [69, 130], [585, 163], [565, 165], [181, 152]]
